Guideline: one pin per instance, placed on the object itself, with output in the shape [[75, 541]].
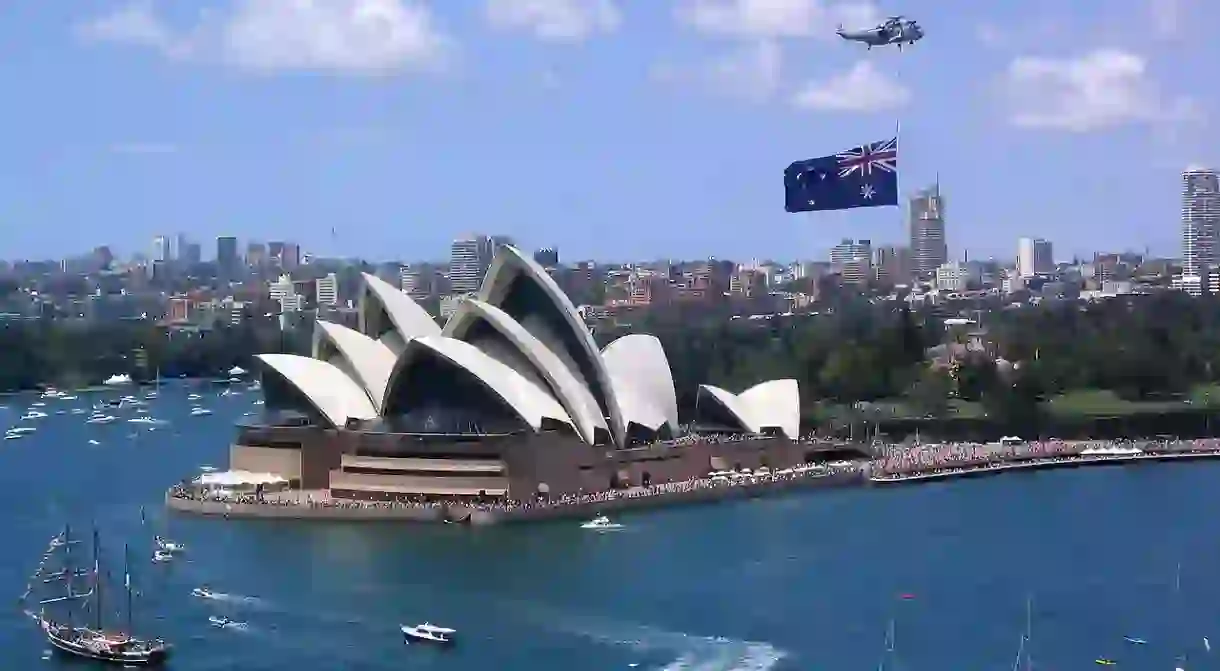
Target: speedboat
[[33, 414], [1105, 662], [220, 622], [1136, 641], [428, 632], [168, 545], [601, 522], [100, 418], [203, 593], [162, 556], [200, 412]]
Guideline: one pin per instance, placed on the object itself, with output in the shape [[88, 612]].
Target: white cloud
[[349, 36], [753, 72], [860, 89], [1099, 90], [768, 19], [555, 20]]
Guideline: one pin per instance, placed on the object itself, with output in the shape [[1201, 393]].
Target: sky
[[607, 129]]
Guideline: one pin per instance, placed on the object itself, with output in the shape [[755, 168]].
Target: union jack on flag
[[863, 176], [880, 155]]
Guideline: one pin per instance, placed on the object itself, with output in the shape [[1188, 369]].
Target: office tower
[[853, 260], [274, 250], [160, 249], [1034, 257], [469, 258], [1200, 221], [280, 288], [547, 257], [256, 254], [177, 251], [226, 256], [192, 253], [928, 248], [290, 256], [415, 282], [892, 265], [327, 289]]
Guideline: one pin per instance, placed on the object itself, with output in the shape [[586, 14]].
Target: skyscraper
[[469, 257], [928, 248], [160, 248], [1034, 257], [226, 256], [1200, 220]]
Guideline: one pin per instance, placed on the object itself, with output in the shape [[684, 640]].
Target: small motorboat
[[200, 412], [162, 556], [1105, 662], [1135, 641], [168, 545], [429, 633], [203, 593], [601, 522], [220, 622]]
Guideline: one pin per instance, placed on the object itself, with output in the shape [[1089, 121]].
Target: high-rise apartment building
[[547, 257], [1200, 221], [1034, 257], [928, 248], [469, 258], [327, 290], [892, 265]]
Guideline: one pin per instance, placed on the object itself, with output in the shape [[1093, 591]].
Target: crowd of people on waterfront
[[744, 479], [900, 461], [893, 462]]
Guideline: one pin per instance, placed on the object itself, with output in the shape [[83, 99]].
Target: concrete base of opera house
[[299, 507], [378, 466]]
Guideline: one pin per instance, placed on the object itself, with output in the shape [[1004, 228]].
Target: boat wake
[[693, 653]]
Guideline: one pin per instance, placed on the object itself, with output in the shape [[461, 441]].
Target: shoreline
[[629, 501], [1036, 464]]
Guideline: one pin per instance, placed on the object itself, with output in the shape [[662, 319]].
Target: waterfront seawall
[[982, 469], [483, 516]]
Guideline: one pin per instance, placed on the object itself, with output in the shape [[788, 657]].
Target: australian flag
[[865, 176]]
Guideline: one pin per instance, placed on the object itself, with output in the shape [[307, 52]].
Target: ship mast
[[97, 581], [127, 586]]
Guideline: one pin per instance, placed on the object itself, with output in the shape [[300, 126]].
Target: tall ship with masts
[[69, 601]]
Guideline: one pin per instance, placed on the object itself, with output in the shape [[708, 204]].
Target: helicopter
[[897, 30]]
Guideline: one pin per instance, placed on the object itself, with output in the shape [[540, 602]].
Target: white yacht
[[193, 397], [601, 522], [168, 546], [203, 593], [200, 412], [144, 420], [33, 414], [116, 380], [18, 432], [162, 556], [220, 622], [100, 418], [428, 632]]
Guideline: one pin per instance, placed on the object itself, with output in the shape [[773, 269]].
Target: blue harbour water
[[807, 581]]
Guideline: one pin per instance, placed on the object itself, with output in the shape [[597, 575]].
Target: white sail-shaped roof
[[547, 313], [773, 404], [568, 390], [335, 395], [382, 300], [532, 403], [643, 382], [368, 361]]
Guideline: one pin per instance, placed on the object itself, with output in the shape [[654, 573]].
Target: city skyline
[[667, 123]]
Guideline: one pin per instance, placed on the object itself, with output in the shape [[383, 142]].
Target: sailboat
[[887, 659], [1177, 605], [1023, 661], [69, 630]]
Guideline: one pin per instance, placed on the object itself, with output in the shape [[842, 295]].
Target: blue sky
[[610, 129]]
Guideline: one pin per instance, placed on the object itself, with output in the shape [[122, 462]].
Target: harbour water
[[804, 581]]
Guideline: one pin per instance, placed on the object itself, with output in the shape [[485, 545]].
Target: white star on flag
[[867, 191]]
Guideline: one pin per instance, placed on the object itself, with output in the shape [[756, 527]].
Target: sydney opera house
[[510, 398]]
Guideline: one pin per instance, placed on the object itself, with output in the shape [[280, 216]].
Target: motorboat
[[601, 522], [1105, 662], [220, 622], [162, 556], [33, 414], [116, 380], [1134, 640], [429, 633], [203, 593], [144, 420], [200, 412], [168, 545], [100, 418], [193, 397]]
